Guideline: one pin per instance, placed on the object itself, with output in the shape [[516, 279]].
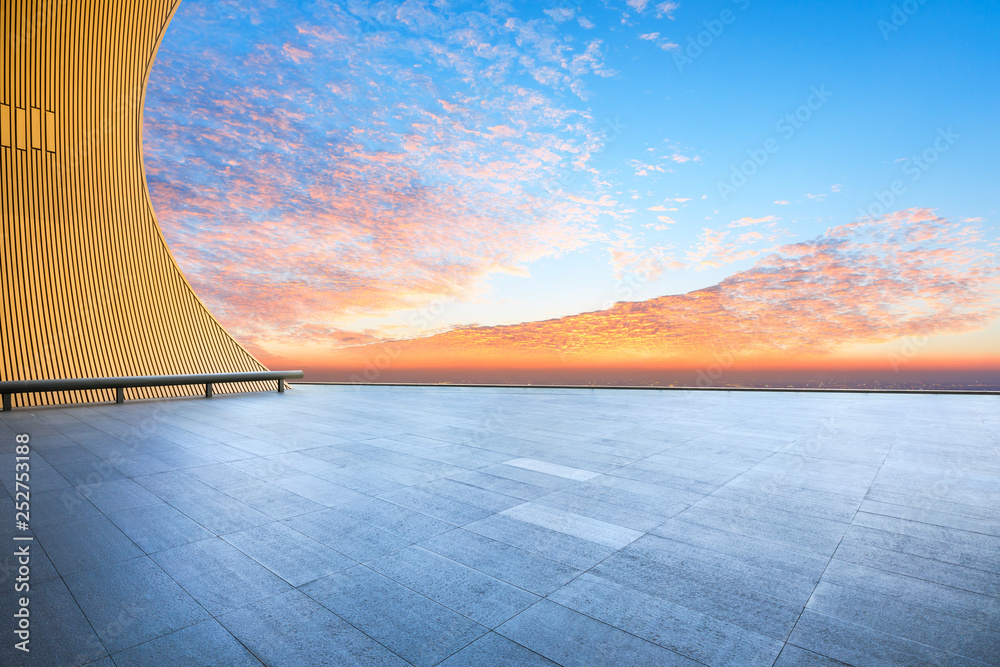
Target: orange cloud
[[906, 274]]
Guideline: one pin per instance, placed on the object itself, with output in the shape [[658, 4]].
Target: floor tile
[[416, 628], [294, 557], [133, 602], [494, 649], [291, 630], [485, 599], [206, 643], [74, 546], [435, 506], [585, 528], [274, 501], [320, 491], [521, 568], [551, 544], [118, 495], [60, 633], [570, 638], [158, 527], [219, 576], [50, 507], [219, 513], [394, 519], [576, 474], [354, 539], [672, 626], [859, 645], [909, 621]]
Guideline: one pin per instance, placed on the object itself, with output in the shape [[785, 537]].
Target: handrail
[[119, 384]]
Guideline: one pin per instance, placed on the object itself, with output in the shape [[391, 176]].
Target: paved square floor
[[473, 526]]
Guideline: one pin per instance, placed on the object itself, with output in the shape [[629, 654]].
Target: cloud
[[781, 202], [320, 178], [604, 201], [745, 222], [910, 273], [714, 250], [295, 54], [560, 14], [550, 56], [630, 257], [504, 131], [643, 168], [666, 10]]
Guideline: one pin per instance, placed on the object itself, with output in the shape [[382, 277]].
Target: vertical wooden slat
[[88, 284]]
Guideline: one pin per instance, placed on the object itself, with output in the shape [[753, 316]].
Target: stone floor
[[470, 526]]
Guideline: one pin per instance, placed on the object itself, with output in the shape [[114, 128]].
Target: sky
[[418, 190]]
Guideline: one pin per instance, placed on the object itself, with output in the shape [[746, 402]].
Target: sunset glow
[[572, 193]]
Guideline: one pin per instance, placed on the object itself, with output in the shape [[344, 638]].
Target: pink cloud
[[868, 282], [325, 179], [747, 221], [296, 54]]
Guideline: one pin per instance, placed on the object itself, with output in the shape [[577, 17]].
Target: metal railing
[[119, 384]]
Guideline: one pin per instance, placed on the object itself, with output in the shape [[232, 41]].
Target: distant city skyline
[[436, 190]]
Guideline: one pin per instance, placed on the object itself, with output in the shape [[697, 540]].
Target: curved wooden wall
[[89, 287]]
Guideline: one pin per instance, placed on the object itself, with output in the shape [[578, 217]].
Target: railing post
[[209, 390], [6, 403], [281, 386], [119, 394]]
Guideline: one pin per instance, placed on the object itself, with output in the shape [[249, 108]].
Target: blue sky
[[498, 163]]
